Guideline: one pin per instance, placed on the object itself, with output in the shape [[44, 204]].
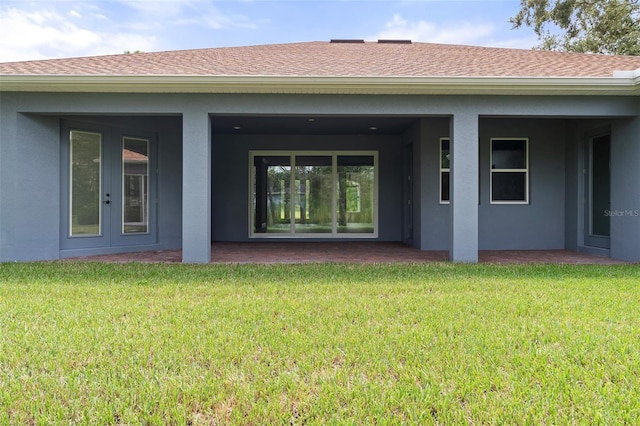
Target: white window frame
[[525, 170], [444, 170], [144, 186], [334, 185]]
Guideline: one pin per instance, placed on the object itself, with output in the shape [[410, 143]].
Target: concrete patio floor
[[353, 252]]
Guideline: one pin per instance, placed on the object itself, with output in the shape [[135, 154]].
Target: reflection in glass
[[272, 198], [445, 162], [135, 186], [509, 174], [509, 186], [444, 187], [445, 157], [86, 183], [509, 154], [313, 194], [355, 207]]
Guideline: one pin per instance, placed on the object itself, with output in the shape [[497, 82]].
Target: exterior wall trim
[[619, 84]]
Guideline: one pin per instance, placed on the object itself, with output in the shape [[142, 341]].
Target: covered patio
[[347, 252]]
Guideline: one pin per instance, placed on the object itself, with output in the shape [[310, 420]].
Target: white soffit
[[624, 83]]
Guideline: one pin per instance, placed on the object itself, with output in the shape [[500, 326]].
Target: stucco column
[[464, 188], [196, 187], [625, 190]]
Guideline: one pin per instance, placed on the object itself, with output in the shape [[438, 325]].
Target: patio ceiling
[[310, 124]]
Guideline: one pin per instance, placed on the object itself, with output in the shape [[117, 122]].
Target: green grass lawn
[[90, 343]]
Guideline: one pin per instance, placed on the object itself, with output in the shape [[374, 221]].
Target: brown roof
[[325, 59]]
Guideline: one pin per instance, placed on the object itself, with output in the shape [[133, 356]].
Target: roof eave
[[627, 85]]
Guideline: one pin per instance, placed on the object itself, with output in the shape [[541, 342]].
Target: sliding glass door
[[313, 194]]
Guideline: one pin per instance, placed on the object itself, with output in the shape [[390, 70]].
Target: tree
[[586, 26]]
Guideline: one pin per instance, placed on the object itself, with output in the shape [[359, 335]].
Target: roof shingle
[[326, 59]]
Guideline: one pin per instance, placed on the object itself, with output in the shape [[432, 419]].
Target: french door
[[109, 186]]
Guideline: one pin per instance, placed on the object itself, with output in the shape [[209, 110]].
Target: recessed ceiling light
[[373, 128], [311, 120], [237, 127]]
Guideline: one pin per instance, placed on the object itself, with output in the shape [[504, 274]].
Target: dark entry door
[[408, 193], [598, 192]]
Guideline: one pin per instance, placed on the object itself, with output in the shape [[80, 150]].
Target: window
[[135, 185], [85, 177], [509, 171], [313, 194], [445, 155]]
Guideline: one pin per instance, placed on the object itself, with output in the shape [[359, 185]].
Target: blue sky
[[68, 28]]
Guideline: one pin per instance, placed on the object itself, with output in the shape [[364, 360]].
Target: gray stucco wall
[[578, 132], [540, 223], [625, 186], [434, 217], [30, 227], [625, 190], [30, 189], [573, 186], [170, 182], [413, 140], [230, 174], [537, 225]]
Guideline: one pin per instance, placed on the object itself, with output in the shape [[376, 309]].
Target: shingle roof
[[325, 59]]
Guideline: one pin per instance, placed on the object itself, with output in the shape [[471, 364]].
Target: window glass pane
[[271, 194], [445, 161], [313, 194], [600, 186], [508, 154], [444, 154], [356, 204], [444, 186], [508, 186], [355, 160], [86, 183], [135, 186]]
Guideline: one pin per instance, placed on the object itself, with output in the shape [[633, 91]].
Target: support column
[[464, 182], [625, 190], [196, 187]]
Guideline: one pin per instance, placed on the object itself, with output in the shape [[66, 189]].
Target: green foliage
[[92, 343], [586, 26]]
